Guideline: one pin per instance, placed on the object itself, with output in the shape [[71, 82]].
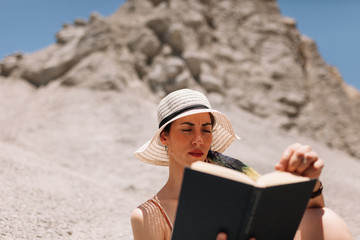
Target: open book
[[215, 198]]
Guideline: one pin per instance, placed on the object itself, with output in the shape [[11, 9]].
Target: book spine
[[254, 202]]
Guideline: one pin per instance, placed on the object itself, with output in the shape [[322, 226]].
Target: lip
[[196, 153]]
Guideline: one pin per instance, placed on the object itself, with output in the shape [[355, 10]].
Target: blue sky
[[335, 26], [28, 26]]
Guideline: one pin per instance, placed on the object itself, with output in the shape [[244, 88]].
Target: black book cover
[[209, 204]]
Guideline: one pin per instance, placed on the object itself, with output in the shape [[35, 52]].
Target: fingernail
[[279, 166], [286, 154]]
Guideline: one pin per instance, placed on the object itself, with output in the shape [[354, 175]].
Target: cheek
[[179, 140], [209, 141]]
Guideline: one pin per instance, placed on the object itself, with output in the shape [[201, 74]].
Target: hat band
[[171, 116]]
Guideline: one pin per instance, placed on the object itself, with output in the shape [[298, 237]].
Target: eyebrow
[[192, 124]]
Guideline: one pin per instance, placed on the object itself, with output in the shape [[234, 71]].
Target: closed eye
[[186, 130]]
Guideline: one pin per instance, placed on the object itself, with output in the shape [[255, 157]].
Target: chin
[[195, 160]]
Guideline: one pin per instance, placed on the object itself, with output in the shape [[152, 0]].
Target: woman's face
[[189, 139]]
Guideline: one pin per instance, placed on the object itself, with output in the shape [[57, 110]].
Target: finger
[[298, 158], [284, 161], [221, 236], [309, 159], [315, 170], [294, 161], [319, 164]]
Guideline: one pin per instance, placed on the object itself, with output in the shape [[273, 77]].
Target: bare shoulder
[[137, 217], [146, 223], [141, 213], [137, 223]]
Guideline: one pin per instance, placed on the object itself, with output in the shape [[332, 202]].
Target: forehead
[[199, 117]]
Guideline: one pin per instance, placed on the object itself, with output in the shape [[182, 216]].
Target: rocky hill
[[73, 113], [244, 52]]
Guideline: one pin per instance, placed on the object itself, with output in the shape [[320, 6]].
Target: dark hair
[[167, 127]]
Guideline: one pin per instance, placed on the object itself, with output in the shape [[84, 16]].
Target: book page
[[222, 172], [279, 178]]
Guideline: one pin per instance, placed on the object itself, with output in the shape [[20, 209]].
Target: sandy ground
[[68, 170]]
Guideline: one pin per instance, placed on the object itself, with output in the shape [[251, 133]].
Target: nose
[[197, 141]]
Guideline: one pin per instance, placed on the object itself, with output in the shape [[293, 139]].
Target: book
[[214, 199]]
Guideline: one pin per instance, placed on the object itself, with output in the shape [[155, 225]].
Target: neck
[[171, 189]]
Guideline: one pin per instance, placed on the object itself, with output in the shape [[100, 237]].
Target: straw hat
[[179, 104]]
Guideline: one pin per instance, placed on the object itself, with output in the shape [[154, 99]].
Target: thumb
[[221, 236]]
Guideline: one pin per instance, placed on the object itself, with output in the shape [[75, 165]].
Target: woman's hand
[[300, 159], [221, 236]]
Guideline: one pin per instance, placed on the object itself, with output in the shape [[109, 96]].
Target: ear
[[164, 138]]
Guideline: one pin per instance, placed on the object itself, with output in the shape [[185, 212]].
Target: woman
[[189, 131]]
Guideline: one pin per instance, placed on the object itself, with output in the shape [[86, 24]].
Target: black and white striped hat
[[179, 104]]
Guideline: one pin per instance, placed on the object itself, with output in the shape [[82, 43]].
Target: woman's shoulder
[[144, 224], [137, 220], [137, 223], [141, 213], [137, 216], [147, 222]]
